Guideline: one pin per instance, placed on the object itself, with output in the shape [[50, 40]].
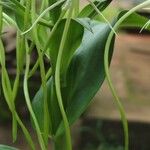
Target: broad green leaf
[[83, 83], [5, 147], [85, 74], [88, 10]]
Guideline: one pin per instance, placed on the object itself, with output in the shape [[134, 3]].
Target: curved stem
[[25, 131], [7, 81], [19, 55], [8, 98], [108, 77], [43, 78], [57, 80], [28, 101], [49, 73], [101, 15], [42, 14], [45, 108]]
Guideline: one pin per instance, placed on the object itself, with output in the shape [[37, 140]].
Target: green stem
[[42, 14], [28, 101], [101, 15], [14, 122], [106, 56], [5, 90], [25, 131], [16, 85], [8, 98], [49, 73], [43, 78], [19, 55], [57, 80], [46, 110]]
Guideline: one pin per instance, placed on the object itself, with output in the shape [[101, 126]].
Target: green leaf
[[88, 10], [85, 23], [42, 32], [17, 11], [86, 73], [84, 76], [134, 20], [5, 147]]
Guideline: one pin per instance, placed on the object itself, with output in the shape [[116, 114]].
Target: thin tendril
[[108, 77], [42, 14], [57, 80], [98, 11]]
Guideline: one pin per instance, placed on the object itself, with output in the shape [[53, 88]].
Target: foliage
[[79, 50]]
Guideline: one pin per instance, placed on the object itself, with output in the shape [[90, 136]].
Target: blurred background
[[100, 127]]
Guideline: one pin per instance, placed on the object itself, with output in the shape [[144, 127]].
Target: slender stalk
[[28, 101], [14, 113], [57, 80], [25, 131], [19, 55], [106, 56], [14, 122], [43, 78], [49, 73], [46, 110], [101, 15], [20, 63], [8, 96]]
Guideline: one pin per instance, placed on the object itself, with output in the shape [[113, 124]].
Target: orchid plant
[[79, 49]]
